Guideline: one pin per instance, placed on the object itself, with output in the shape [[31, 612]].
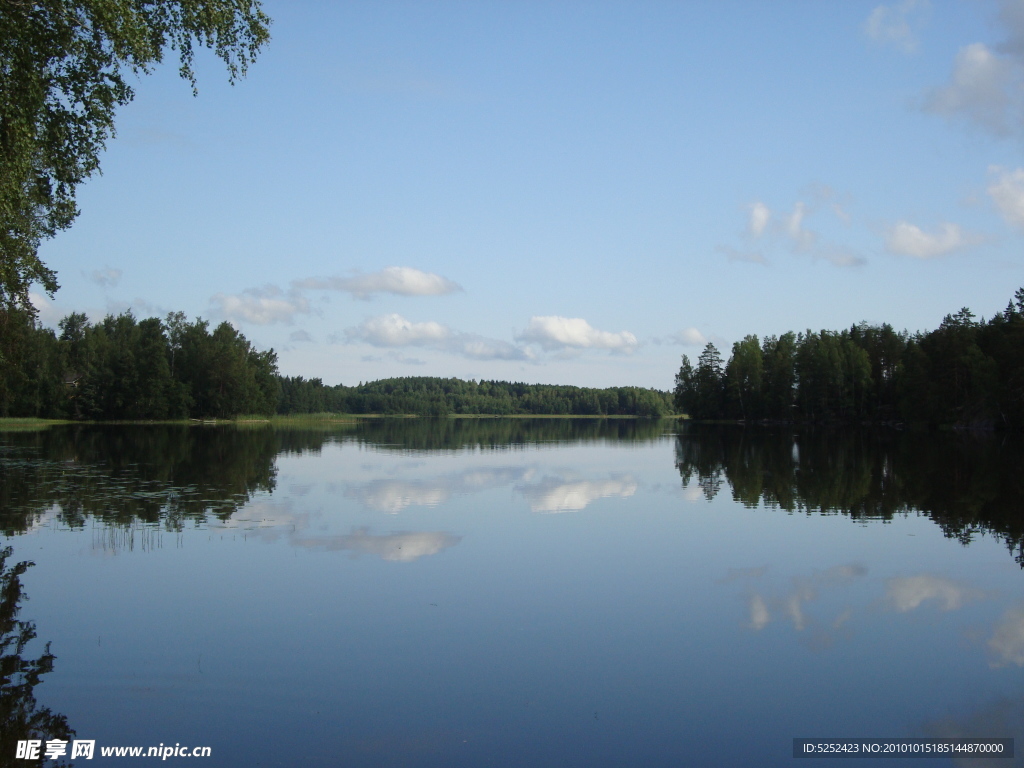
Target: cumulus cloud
[[689, 337], [393, 330], [981, 89], [261, 306], [906, 239], [897, 24], [553, 332], [1007, 192], [906, 593], [404, 281], [760, 215], [300, 335], [108, 277]]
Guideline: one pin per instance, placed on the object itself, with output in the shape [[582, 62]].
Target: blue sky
[[573, 193]]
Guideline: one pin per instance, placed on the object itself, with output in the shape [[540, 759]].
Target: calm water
[[549, 593]]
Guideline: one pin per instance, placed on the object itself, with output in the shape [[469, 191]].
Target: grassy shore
[[289, 420]]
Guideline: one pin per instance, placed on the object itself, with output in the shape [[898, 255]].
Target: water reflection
[[1002, 716], [499, 434], [21, 717], [402, 547], [905, 593], [1007, 641], [968, 485], [393, 495], [557, 494], [122, 475]]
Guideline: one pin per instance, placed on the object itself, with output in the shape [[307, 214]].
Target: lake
[[510, 592]]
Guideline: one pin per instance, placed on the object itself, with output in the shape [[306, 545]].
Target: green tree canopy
[[63, 73]]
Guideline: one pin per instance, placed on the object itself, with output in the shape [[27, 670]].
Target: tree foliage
[[431, 396], [123, 368], [64, 71], [965, 372]]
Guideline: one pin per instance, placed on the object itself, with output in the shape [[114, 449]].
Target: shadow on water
[[21, 718], [967, 484]]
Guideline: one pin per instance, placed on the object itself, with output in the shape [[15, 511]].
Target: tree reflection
[[129, 474], [21, 718], [967, 484], [499, 434]]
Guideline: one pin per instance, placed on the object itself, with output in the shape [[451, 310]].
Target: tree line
[[122, 368], [966, 372], [432, 396]]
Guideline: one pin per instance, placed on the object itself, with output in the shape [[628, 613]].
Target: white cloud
[[553, 332], [395, 331], [49, 314], [689, 337], [300, 335], [108, 277], [906, 239], [404, 281], [261, 306], [896, 24], [760, 215], [905, 593], [1007, 192], [978, 90], [802, 238]]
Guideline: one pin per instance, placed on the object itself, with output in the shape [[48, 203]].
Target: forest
[[967, 372], [127, 369], [431, 396]]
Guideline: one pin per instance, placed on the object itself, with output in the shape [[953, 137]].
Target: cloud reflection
[[792, 605], [552, 494], [1007, 641], [549, 494], [906, 593], [392, 496], [401, 547]]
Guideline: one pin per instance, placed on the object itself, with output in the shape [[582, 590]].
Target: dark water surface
[[509, 592]]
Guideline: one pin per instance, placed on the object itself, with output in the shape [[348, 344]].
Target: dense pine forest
[[123, 368], [966, 372]]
